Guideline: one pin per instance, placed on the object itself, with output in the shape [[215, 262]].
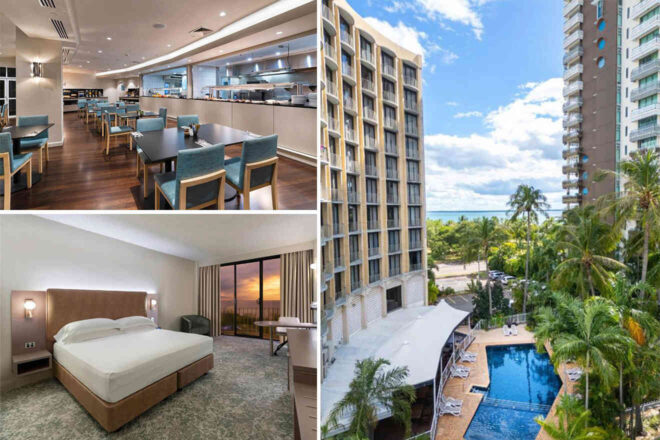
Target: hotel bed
[[118, 376]]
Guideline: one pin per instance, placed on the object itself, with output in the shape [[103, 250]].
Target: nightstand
[[29, 363]]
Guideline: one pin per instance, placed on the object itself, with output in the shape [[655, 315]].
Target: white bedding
[[117, 366]]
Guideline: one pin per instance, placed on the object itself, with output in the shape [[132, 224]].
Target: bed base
[[112, 416]]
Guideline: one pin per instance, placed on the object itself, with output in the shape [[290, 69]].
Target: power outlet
[[31, 344]]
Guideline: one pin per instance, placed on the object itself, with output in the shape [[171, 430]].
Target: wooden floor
[[80, 176]]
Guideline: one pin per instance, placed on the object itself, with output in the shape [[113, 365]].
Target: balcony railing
[[410, 81], [346, 38], [415, 266], [333, 125], [572, 120], [355, 285], [337, 229], [373, 251], [393, 247], [337, 195], [574, 21], [340, 296], [353, 197], [349, 134], [642, 7], [571, 198], [414, 222], [392, 173], [571, 135], [368, 84], [373, 277], [573, 88], [370, 142], [331, 88], [329, 50], [416, 244], [369, 113], [414, 177], [645, 132], [392, 223], [373, 224], [395, 270], [414, 199], [389, 96], [352, 166], [573, 38], [412, 153], [335, 160], [644, 112], [410, 105], [370, 171], [355, 256], [391, 149], [393, 198], [389, 70], [349, 103], [573, 103], [644, 91], [372, 197], [570, 183], [577, 69], [645, 27], [339, 261], [644, 70], [390, 123], [347, 70], [645, 49], [572, 54], [327, 14], [573, 167], [353, 227], [367, 56], [412, 129], [572, 150], [570, 7]]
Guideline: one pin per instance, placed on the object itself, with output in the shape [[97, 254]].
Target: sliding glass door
[[250, 291]]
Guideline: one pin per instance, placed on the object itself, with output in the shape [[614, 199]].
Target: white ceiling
[[296, 45], [202, 237], [129, 24]]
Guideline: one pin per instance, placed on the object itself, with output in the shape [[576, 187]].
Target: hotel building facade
[[372, 176], [611, 90]]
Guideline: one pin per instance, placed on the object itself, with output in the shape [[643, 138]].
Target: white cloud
[[472, 114], [452, 103], [522, 145]]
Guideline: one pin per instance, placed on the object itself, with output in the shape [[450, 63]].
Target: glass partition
[[171, 83]]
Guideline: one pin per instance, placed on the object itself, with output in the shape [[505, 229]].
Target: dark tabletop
[[27, 131], [163, 145]]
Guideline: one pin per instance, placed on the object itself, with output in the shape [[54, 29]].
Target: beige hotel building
[[372, 177]]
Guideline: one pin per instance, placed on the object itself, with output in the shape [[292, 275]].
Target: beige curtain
[[209, 296], [297, 285]]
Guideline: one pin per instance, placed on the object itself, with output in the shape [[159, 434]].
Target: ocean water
[[446, 216]]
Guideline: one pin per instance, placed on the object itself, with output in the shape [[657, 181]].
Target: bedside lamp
[[29, 306], [153, 303]]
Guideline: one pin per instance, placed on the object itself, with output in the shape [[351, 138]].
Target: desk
[[18, 133], [303, 374], [273, 324]]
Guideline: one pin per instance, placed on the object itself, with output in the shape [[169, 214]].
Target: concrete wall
[[37, 254], [39, 96]]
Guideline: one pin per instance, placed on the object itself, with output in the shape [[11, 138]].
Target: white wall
[[39, 96], [37, 254], [80, 80]]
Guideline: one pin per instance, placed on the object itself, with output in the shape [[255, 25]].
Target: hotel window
[[339, 294], [355, 277], [332, 145], [387, 60], [413, 194], [415, 259], [395, 264], [374, 270], [648, 101], [388, 86], [392, 217], [415, 237], [346, 59], [348, 122], [365, 48], [413, 170], [249, 292], [370, 159], [599, 9], [329, 75], [344, 26], [409, 72], [327, 38], [390, 143], [373, 239], [410, 98], [650, 37], [411, 123], [336, 215], [391, 166], [372, 217], [354, 247], [372, 190], [370, 134], [368, 102], [393, 241], [334, 180], [348, 93], [351, 184], [414, 216], [337, 252], [392, 191], [353, 219], [350, 153], [389, 113]]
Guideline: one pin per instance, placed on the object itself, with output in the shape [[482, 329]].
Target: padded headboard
[[65, 306]]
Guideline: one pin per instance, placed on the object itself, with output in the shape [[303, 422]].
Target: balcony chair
[[196, 324], [114, 131], [162, 113], [256, 168], [186, 120], [39, 142], [144, 125], [11, 163], [198, 182], [281, 331]]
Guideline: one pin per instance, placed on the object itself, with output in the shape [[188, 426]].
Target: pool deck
[[454, 427]]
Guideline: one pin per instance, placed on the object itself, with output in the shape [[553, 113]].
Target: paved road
[[461, 302], [458, 269]]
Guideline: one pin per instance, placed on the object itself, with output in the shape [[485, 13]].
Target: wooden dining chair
[[40, 142], [4, 115], [144, 125], [130, 114], [256, 168], [81, 107], [114, 131], [198, 182], [11, 164]]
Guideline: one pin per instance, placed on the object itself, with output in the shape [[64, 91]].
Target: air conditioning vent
[[200, 32], [59, 27], [47, 3]]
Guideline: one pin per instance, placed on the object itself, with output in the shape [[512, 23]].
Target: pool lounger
[[446, 409], [456, 372], [506, 331], [514, 330], [450, 401], [466, 356]]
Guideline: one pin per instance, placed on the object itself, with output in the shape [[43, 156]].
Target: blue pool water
[[523, 385]]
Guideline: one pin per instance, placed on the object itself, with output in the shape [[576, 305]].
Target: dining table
[[17, 134], [272, 324], [163, 146]]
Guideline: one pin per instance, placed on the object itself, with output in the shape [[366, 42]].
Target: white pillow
[[134, 321], [86, 329]]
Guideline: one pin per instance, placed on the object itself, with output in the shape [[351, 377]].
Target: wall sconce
[[312, 266], [29, 306], [153, 304], [37, 70]]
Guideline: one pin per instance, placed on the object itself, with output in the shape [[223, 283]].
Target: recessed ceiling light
[[279, 33], [221, 50], [143, 58], [223, 13], [125, 65], [228, 64], [100, 51], [108, 38], [277, 53], [250, 59], [169, 45], [87, 62]]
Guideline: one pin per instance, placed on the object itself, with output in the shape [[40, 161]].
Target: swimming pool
[[523, 385]]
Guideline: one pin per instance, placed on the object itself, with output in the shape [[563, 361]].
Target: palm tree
[[371, 389], [486, 234], [572, 422], [595, 342], [587, 242], [530, 202], [640, 200]]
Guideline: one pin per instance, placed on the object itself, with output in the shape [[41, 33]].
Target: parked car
[[494, 274], [506, 278]]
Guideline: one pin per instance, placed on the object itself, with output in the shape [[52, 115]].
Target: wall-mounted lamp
[[29, 306], [37, 70], [153, 304]]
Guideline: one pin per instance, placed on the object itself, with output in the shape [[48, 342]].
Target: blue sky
[[492, 94]]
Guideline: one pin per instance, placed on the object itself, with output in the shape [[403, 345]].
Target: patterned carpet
[[244, 397]]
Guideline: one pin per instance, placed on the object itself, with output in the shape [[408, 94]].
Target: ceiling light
[[221, 50], [100, 51], [108, 38], [278, 33], [223, 13], [169, 45], [277, 53], [87, 62], [143, 58], [250, 59], [125, 65], [227, 64]]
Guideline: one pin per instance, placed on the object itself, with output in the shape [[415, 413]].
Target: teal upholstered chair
[[198, 182], [144, 125], [81, 107], [114, 131], [162, 113], [10, 163], [40, 142], [130, 114], [100, 109], [256, 168], [4, 115], [89, 110], [186, 120]]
